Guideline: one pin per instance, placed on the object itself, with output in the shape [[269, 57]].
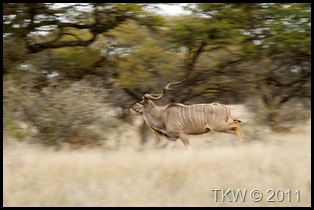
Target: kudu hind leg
[[235, 125], [185, 140], [233, 128]]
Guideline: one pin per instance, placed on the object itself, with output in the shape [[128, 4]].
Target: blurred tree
[[279, 38], [29, 21], [140, 55], [41, 26], [275, 38], [68, 29], [209, 44]]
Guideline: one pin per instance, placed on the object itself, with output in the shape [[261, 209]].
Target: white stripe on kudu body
[[180, 115], [192, 117], [197, 113], [203, 112], [214, 111], [198, 116]]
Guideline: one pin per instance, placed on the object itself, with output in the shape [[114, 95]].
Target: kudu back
[[177, 120]]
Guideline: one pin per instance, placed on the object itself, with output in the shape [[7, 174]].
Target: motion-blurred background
[[71, 72]]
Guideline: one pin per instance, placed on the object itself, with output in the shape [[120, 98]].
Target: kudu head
[[147, 98]]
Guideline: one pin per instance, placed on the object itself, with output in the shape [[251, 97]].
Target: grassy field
[[278, 166]]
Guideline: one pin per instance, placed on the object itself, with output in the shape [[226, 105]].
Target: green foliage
[[148, 60], [140, 57], [186, 32], [129, 34], [75, 62], [289, 29], [14, 129], [250, 52]]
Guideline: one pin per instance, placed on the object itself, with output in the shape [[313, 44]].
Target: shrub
[[60, 110], [290, 113]]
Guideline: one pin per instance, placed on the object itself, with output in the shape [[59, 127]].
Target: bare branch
[[34, 48]]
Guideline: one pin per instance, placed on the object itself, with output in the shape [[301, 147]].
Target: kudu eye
[[145, 98]]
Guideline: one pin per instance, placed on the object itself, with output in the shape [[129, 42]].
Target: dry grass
[[35, 176]]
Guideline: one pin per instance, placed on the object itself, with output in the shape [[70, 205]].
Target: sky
[[172, 9], [166, 8]]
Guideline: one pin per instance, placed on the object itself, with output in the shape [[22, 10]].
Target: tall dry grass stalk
[[129, 176]]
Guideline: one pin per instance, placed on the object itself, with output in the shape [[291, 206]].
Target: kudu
[[177, 120]]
